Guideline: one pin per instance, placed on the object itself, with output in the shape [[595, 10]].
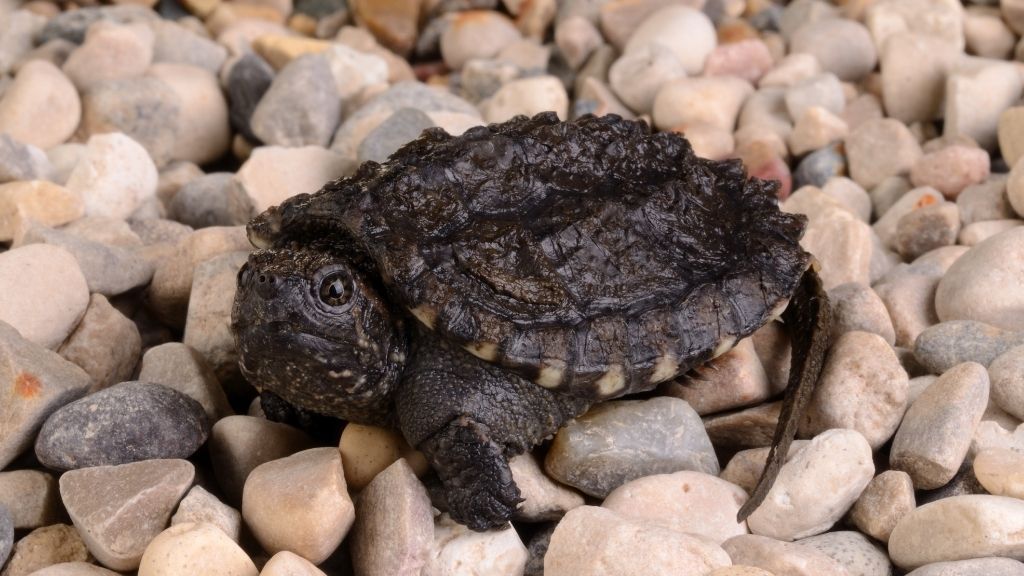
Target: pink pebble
[[747, 59], [951, 169]]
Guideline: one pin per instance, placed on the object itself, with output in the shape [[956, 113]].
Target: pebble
[[211, 200], [883, 503], [404, 125], [248, 80], [89, 345], [543, 499], [843, 47], [108, 270], [687, 101], [747, 466], [814, 129], [820, 166], [29, 499], [204, 134], [779, 557], [975, 567], [302, 107], [823, 90], [735, 570], [887, 193], [690, 502], [636, 77], [816, 487], [286, 563], [114, 176], [865, 107], [746, 428], [951, 169], [1015, 188], [746, 59], [22, 161], [979, 285], [924, 229], [393, 22], [986, 200], [458, 551], [577, 38], [272, 174], [44, 547], [476, 34], [368, 450], [176, 365], [974, 234], [36, 201], [940, 19], [1010, 134], [880, 148], [887, 224], [959, 528], [688, 32], [936, 432], [17, 33], [862, 387], [197, 549], [208, 324], [241, 443], [913, 73], [41, 107], [842, 243], [732, 380], [790, 71], [619, 441], [1007, 379], [143, 108], [710, 141], [129, 422], [394, 528], [986, 34], [180, 45], [947, 344], [597, 541], [6, 535], [72, 25], [136, 503], [856, 307], [201, 506], [854, 551], [992, 434], [765, 110], [111, 51], [355, 72], [278, 49], [528, 96], [976, 98], [1001, 472]]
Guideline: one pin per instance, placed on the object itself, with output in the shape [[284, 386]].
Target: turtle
[[479, 291]]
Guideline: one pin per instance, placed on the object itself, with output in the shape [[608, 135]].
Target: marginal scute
[[551, 373], [483, 350], [612, 383], [724, 346], [666, 368], [425, 314]]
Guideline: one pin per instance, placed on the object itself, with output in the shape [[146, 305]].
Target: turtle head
[[310, 325]]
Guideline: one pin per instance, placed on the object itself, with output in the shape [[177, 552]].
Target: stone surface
[[543, 499], [249, 79], [178, 366], [118, 510], [45, 294], [690, 502], [597, 541], [1010, 134], [913, 73], [747, 428], [114, 176], [302, 106], [28, 106], [200, 506], [732, 380], [30, 499], [368, 450], [394, 528], [653, 436], [883, 503], [936, 432], [924, 229], [748, 59], [843, 245], [779, 557], [241, 443], [856, 307], [816, 487], [843, 47], [947, 344], [880, 148], [198, 549], [457, 550], [687, 32], [181, 45], [910, 300], [746, 466], [89, 346], [35, 201], [393, 22], [46, 546], [823, 91], [22, 161], [203, 129], [689, 101], [289, 564], [273, 174], [975, 98], [979, 285], [476, 34], [951, 169], [529, 96], [108, 270], [975, 567], [1001, 472], [211, 200], [959, 528], [1007, 379], [854, 551], [208, 324], [6, 535], [141, 107], [405, 125], [862, 387], [35, 383], [815, 128], [888, 221], [110, 52], [974, 234]]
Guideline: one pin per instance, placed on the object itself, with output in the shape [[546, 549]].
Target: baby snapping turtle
[[479, 291]]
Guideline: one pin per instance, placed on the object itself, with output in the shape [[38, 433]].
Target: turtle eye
[[335, 288]]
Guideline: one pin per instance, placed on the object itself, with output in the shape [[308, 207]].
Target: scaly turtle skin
[[478, 291]]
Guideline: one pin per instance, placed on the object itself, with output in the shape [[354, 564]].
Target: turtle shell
[[592, 257]]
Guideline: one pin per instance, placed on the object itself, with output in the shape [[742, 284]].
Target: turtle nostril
[[267, 285]]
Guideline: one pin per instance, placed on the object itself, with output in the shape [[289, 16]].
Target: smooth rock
[[129, 422], [356, 72], [35, 201], [765, 111], [746, 59], [476, 34], [302, 107], [277, 46], [887, 224], [883, 503], [394, 528], [659, 435], [528, 96], [975, 567], [405, 125], [779, 557], [959, 528], [198, 549], [1007, 379], [791, 70], [249, 79], [114, 176], [105, 344], [44, 547], [29, 498], [1001, 472], [842, 244], [597, 541], [72, 25], [108, 270], [41, 107], [637, 77], [974, 234], [17, 38], [820, 166], [714, 100], [689, 33], [986, 34], [178, 366], [180, 45], [241, 443], [577, 38], [289, 564], [951, 169], [816, 487], [732, 380], [710, 141], [979, 285], [991, 434], [368, 450], [458, 551], [273, 174], [6, 535], [947, 344], [814, 129], [110, 52], [739, 570], [45, 293], [201, 506], [208, 324], [752, 427], [854, 551], [987, 200], [690, 502], [924, 229], [118, 510], [824, 91], [878, 149], [941, 19], [1010, 134], [976, 98], [211, 200], [910, 300], [142, 107], [746, 467], [1015, 188], [204, 134], [543, 499], [913, 73], [22, 161], [936, 432], [843, 47], [857, 307]]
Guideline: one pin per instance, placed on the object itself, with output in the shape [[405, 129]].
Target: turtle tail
[[807, 320]]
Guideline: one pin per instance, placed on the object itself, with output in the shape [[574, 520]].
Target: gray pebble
[[248, 81], [105, 344], [302, 106], [6, 535], [947, 344], [72, 24], [158, 231], [856, 552], [177, 366], [145, 108], [211, 200], [22, 161], [129, 422], [985, 201], [404, 125], [175, 43], [819, 166], [857, 307], [927, 228], [1007, 373], [910, 300]]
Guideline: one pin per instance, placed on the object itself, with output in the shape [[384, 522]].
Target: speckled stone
[[46, 546], [974, 567], [947, 344], [981, 284], [883, 503], [494, 552], [878, 149], [858, 307], [195, 549], [779, 557], [30, 499], [241, 443], [178, 366], [6, 534], [854, 551]]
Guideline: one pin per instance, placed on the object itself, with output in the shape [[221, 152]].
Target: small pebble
[[924, 229], [974, 234], [22, 161], [118, 510], [843, 245], [936, 432], [637, 77], [887, 224], [177, 366], [142, 107], [89, 345], [746, 428], [1001, 472], [843, 47], [1007, 379], [714, 100], [943, 20], [597, 541], [44, 547], [947, 344], [278, 49], [289, 564], [820, 166], [959, 528], [114, 176], [689, 33], [857, 307], [35, 201], [951, 169], [528, 96], [577, 38], [914, 69], [779, 557], [976, 567], [883, 503], [110, 52], [41, 107], [208, 323], [203, 133], [543, 499], [404, 125], [368, 450], [986, 200], [976, 98], [791, 70], [979, 286], [746, 59], [197, 549], [910, 300], [30, 499], [1010, 134], [854, 551], [248, 80], [823, 91], [986, 34], [732, 380], [690, 502], [241, 443], [273, 174], [456, 548], [1015, 188], [880, 148], [211, 200], [816, 487], [619, 441], [746, 467], [302, 107], [814, 129], [201, 506], [178, 44], [476, 34]]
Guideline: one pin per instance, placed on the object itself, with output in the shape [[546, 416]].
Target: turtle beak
[[263, 229]]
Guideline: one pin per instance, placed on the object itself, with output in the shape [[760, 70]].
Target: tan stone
[[196, 550], [883, 503], [44, 547], [394, 529], [289, 564], [783, 558], [543, 498], [732, 380], [393, 22], [241, 443], [105, 344], [37, 201], [368, 450], [279, 50], [1001, 472], [31, 497], [199, 506]]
